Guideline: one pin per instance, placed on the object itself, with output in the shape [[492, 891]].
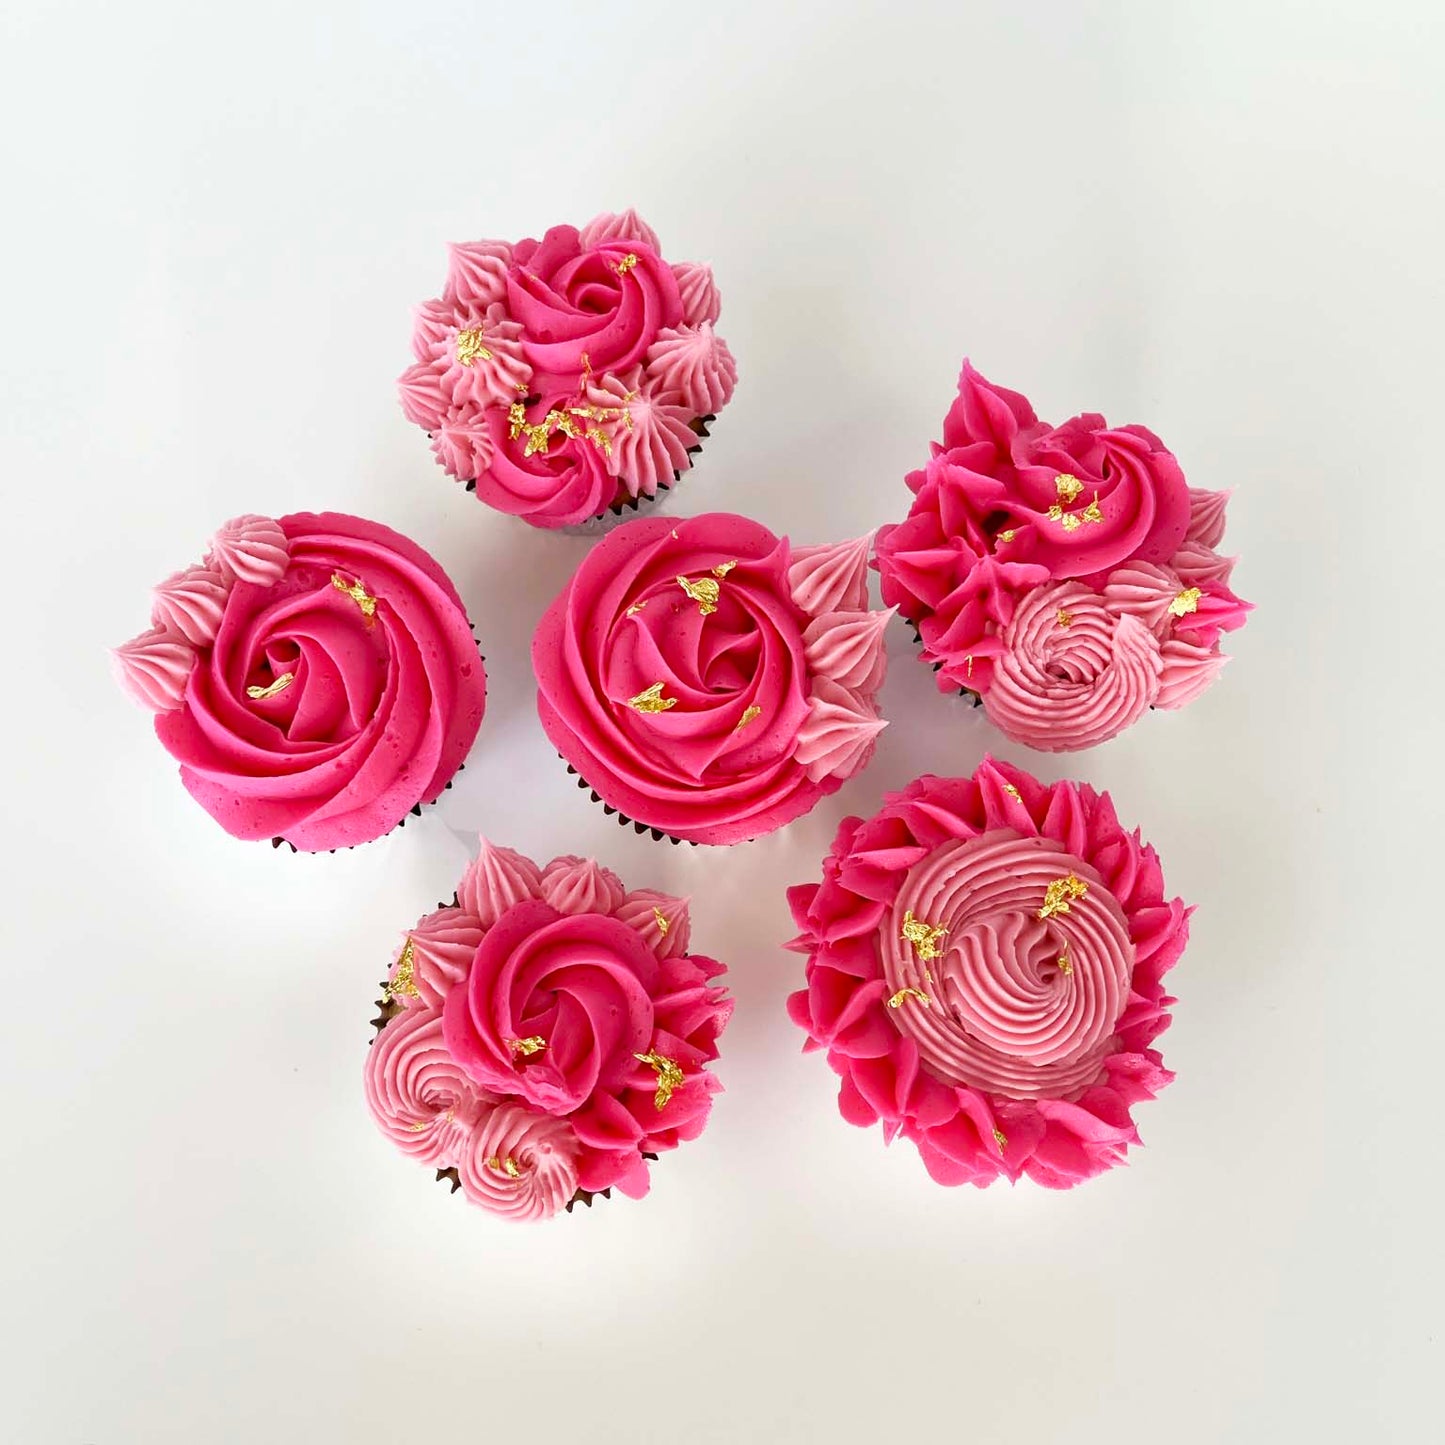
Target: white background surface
[[1221, 220]]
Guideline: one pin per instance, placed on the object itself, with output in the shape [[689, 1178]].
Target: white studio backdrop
[[1220, 220]]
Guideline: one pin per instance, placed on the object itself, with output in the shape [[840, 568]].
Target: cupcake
[[315, 677], [1067, 577], [985, 970], [546, 1036], [571, 378], [707, 681]]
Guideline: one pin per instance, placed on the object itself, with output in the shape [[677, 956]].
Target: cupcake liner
[[415, 810]]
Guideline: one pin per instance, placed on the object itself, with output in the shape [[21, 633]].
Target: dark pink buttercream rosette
[[1067, 576], [572, 377], [985, 971], [546, 1036]]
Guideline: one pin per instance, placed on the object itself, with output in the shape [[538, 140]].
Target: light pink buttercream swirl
[[519, 1164], [688, 714], [695, 364], [342, 686]]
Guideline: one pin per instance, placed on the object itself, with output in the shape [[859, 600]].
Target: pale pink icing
[[664, 921], [1013, 1045], [719, 765], [562, 327], [250, 549], [152, 669], [581, 885], [694, 363], [848, 648], [837, 737], [189, 604], [648, 437], [441, 948], [477, 273], [698, 290], [380, 709], [833, 577], [997, 519], [496, 879], [449, 1081], [1188, 669], [542, 1155], [618, 226], [1058, 687]]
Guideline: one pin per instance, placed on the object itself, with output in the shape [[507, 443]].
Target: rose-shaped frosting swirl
[[573, 1005], [673, 676], [589, 308], [985, 963], [1008, 505], [342, 686]]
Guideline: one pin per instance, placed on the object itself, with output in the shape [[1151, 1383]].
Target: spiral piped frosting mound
[[315, 677], [546, 1036], [1066, 575], [709, 681], [565, 378], [985, 972]]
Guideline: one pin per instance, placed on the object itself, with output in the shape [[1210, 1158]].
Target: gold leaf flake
[[1066, 619], [507, 1166], [1013, 792], [470, 348], [904, 994], [1001, 1139], [528, 1046], [652, 700], [280, 685], [1067, 486], [1059, 893], [1091, 513], [1066, 965], [660, 919], [1007, 535], [356, 592], [749, 713], [723, 568], [925, 937], [703, 590], [402, 984], [417, 1128], [669, 1075], [626, 264], [635, 608], [1187, 601]]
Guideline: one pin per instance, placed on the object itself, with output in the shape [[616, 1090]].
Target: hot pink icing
[[381, 706], [696, 365], [576, 1108], [189, 604], [152, 669], [561, 328], [720, 763], [1008, 506], [1012, 1044]]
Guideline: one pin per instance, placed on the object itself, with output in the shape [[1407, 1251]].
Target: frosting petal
[[495, 880], [1188, 669], [250, 549], [838, 735], [423, 401], [463, 443], [153, 669], [848, 648], [693, 365], [831, 578], [698, 290], [477, 273], [190, 604], [519, 1164], [1206, 516], [581, 885], [648, 436], [664, 921], [619, 226], [438, 951]]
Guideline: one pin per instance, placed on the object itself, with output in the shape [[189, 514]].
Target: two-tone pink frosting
[[1067, 575], [564, 377], [709, 681], [985, 971], [548, 1034], [315, 677]]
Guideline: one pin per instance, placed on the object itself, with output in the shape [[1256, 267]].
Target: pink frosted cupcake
[[985, 970], [546, 1036], [571, 378], [709, 682], [315, 677], [1065, 576]]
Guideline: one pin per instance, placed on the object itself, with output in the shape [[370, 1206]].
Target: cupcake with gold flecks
[[546, 1036]]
